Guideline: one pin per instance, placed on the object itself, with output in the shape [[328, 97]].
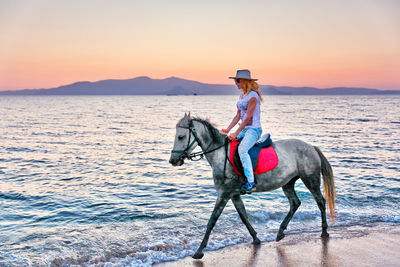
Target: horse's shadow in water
[[282, 257], [297, 160], [326, 259]]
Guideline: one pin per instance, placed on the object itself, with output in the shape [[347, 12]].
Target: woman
[[249, 131]]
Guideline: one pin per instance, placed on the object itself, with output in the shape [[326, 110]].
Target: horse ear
[[189, 115], [185, 119]]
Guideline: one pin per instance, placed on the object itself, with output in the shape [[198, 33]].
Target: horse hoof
[[280, 236], [198, 255], [256, 241], [325, 234]]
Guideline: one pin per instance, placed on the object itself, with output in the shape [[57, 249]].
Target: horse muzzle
[[176, 162]]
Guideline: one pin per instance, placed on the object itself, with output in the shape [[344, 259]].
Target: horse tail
[[329, 183]]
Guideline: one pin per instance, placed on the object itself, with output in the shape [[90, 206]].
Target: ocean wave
[[20, 196], [20, 149]]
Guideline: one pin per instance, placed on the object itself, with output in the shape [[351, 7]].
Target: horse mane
[[214, 132]]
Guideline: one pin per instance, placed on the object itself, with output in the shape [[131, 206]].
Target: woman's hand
[[225, 131], [233, 136]]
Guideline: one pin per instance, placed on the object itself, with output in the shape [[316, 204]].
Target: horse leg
[[218, 208], [294, 203], [237, 201], [313, 184]]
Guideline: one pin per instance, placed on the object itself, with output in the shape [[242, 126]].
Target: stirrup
[[248, 187]]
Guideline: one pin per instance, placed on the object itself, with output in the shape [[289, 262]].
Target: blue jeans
[[248, 137]]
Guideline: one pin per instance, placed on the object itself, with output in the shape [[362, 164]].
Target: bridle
[[196, 155]]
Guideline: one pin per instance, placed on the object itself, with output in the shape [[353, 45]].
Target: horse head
[[184, 142]]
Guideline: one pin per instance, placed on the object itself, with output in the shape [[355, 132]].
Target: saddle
[[262, 154]]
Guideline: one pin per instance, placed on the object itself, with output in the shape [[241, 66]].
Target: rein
[[196, 155]]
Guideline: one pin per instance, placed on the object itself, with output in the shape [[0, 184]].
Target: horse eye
[[181, 137]]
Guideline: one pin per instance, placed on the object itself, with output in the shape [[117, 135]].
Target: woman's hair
[[250, 85]]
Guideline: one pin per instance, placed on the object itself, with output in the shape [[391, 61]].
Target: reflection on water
[[303, 257], [87, 177], [327, 259], [283, 259], [253, 256]]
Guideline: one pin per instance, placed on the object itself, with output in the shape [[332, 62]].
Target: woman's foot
[[248, 187]]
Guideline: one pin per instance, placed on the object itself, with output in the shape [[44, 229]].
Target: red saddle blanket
[[267, 159]]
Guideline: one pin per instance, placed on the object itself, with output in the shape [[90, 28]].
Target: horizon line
[[175, 77]]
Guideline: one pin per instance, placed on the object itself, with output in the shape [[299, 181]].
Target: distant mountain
[[285, 90], [176, 86]]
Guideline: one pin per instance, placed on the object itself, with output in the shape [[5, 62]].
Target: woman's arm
[[233, 123], [249, 114]]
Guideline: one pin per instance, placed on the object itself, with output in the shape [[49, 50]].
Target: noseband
[[196, 155]]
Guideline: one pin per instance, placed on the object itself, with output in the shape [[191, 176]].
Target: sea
[[85, 180]]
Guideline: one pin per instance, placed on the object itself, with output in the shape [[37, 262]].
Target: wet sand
[[377, 245]]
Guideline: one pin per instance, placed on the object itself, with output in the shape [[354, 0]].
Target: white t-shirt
[[242, 106]]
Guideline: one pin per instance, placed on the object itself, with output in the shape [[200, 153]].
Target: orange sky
[[47, 43]]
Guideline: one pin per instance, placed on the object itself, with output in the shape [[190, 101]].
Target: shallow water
[[86, 180]]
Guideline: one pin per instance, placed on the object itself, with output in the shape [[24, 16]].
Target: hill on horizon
[[144, 85]]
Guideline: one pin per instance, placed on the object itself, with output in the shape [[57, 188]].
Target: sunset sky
[[316, 43]]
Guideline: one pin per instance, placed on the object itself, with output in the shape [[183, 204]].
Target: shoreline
[[375, 245]]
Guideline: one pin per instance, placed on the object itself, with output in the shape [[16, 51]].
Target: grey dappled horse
[[297, 159]]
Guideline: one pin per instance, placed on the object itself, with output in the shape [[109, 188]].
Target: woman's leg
[[250, 138]]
